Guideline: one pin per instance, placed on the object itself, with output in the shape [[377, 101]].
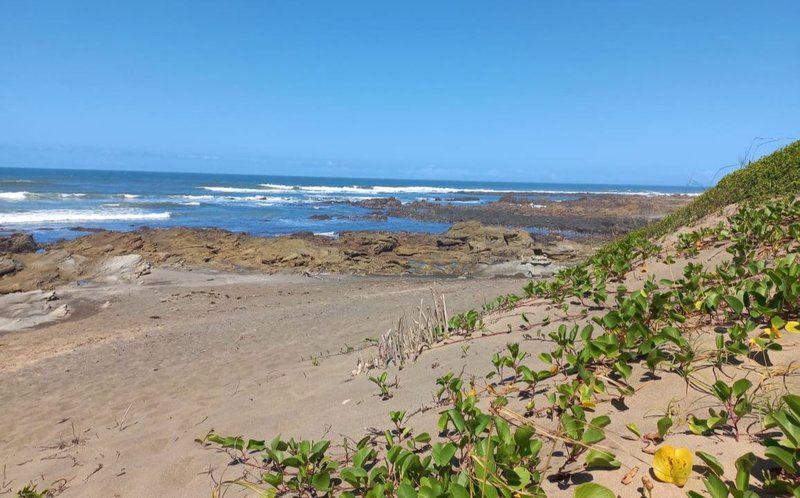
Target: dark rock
[[86, 229], [375, 217], [380, 203], [320, 217], [17, 243], [449, 242]]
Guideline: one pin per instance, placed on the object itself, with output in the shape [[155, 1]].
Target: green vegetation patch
[[777, 174]]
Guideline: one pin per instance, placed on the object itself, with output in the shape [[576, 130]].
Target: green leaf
[[456, 491], [273, 479], [712, 462], [601, 459], [522, 436], [793, 402], [524, 477], [360, 456], [592, 490], [721, 390], [634, 429], [715, 486], [601, 421], [321, 482], [611, 320], [735, 303], [591, 436], [744, 464], [570, 426], [406, 490], [443, 453], [423, 438], [623, 368], [777, 322], [457, 419], [787, 425], [782, 457], [740, 387], [663, 424]]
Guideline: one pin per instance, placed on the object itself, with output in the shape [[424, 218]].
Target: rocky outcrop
[[605, 215], [17, 243], [379, 203], [481, 238], [126, 256]]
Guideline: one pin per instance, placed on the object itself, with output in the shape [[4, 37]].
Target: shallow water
[[58, 204]]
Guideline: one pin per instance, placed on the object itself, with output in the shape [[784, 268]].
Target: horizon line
[[168, 172]]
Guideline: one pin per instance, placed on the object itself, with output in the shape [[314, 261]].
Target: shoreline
[[571, 215], [484, 239]]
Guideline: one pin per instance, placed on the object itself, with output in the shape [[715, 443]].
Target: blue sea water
[[58, 203]]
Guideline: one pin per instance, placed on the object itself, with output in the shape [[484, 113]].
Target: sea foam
[[273, 188], [68, 216], [13, 196]]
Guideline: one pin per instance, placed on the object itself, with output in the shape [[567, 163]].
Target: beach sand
[[112, 398]]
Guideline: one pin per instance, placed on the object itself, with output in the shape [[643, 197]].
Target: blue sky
[[613, 92]]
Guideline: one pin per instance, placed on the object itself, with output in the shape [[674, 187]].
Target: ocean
[[58, 204]]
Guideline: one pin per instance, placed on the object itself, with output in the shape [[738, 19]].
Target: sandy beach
[[112, 398]]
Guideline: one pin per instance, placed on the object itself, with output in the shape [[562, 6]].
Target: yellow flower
[[698, 305], [772, 333], [673, 465], [792, 327], [553, 369], [472, 392]]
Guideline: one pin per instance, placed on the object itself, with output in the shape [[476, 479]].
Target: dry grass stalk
[[411, 336]]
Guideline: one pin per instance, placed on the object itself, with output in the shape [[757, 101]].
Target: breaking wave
[[69, 216], [13, 196], [267, 188]]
